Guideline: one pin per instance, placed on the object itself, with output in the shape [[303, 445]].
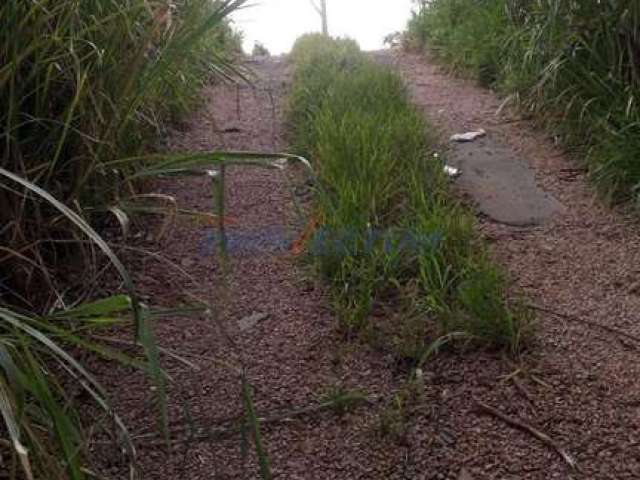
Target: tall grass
[[85, 83], [85, 87], [392, 240], [574, 65]]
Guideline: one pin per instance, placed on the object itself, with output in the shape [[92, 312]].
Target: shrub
[[259, 50]]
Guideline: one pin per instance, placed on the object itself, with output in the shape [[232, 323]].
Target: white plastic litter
[[453, 172], [469, 136]]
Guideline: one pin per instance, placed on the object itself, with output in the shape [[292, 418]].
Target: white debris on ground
[[469, 136], [251, 321], [452, 172]]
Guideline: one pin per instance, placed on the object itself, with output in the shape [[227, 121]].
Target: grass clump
[[574, 65], [392, 240], [85, 88]]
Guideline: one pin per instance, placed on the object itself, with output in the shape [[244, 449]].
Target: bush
[[259, 50], [391, 234], [575, 65]]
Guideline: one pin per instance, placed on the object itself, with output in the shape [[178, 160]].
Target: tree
[[322, 11], [259, 50]]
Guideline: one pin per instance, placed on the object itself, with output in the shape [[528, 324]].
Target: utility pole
[[322, 11], [325, 20]]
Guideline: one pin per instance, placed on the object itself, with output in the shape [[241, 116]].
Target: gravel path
[[578, 384], [581, 379], [277, 323]]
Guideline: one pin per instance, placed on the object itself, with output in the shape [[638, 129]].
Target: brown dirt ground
[[577, 383]]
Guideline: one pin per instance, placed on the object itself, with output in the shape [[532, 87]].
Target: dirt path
[[277, 323], [580, 382]]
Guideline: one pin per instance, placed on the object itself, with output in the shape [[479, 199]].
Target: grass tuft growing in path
[[397, 248]]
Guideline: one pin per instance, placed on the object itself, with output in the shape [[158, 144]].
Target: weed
[[393, 421], [391, 234], [340, 399]]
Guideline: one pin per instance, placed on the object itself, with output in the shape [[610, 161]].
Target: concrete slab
[[502, 184]]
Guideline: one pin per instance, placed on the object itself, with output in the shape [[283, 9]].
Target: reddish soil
[[577, 383]]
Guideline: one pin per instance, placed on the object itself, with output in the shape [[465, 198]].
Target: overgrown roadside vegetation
[[573, 65], [85, 89], [399, 251]]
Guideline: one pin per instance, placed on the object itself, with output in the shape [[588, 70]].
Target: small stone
[[187, 262], [545, 247], [251, 321], [447, 438]]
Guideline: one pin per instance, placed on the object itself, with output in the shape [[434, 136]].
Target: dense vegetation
[[392, 241], [573, 64], [85, 87]]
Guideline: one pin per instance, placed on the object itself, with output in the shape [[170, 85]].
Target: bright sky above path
[[277, 23]]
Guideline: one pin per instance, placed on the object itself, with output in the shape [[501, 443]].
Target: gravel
[[580, 382]]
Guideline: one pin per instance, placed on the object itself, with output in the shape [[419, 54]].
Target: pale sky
[[277, 23]]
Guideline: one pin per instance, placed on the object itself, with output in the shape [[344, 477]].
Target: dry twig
[[591, 323], [523, 391], [216, 431], [517, 423]]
